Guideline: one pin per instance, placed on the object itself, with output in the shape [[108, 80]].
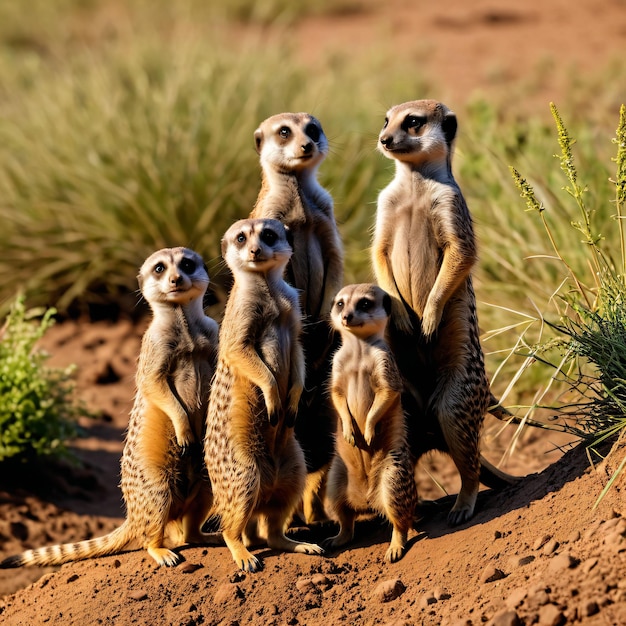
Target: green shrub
[[591, 330], [37, 415]]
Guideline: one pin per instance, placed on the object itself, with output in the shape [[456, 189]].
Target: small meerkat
[[255, 464], [372, 467], [163, 480], [423, 253], [291, 147]]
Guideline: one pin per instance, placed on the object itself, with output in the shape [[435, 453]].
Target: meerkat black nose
[[176, 279], [348, 317], [386, 140], [255, 252], [307, 148]]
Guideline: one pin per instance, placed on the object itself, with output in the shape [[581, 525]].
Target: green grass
[[589, 340]]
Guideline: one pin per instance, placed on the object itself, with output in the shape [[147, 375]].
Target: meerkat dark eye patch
[[414, 122], [268, 236], [313, 132], [338, 304], [386, 123], [364, 304], [188, 266], [241, 238], [159, 268], [284, 132]]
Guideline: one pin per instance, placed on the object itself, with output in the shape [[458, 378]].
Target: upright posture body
[[291, 148], [372, 467], [423, 253], [163, 480], [255, 464]]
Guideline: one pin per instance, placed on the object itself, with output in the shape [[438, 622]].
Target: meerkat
[[423, 253], [291, 147], [163, 481], [255, 464], [372, 467]]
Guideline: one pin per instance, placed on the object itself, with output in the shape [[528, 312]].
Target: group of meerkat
[[309, 392]]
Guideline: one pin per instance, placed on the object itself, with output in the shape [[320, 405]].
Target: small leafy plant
[[37, 415], [591, 329]]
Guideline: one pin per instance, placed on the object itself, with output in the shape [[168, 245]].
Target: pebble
[[516, 597], [590, 608], [541, 541], [322, 581], [562, 561], [138, 594], [505, 618], [550, 615], [389, 590], [72, 578], [227, 592], [189, 568], [304, 584], [491, 574], [117, 563], [574, 537], [589, 564], [591, 531], [550, 547]]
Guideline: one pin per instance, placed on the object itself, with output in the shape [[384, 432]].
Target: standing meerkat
[[255, 464], [372, 467], [423, 253], [291, 147], [163, 481]]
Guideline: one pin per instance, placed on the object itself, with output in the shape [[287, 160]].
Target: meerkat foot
[[163, 556], [242, 556], [397, 547], [341, 539], [463, 509]]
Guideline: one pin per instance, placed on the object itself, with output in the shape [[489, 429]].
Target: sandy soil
[[535, 553]]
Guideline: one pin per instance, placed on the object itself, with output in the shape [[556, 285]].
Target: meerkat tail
[[112, 543], [495, 478]]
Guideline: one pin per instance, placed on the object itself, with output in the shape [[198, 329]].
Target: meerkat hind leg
[[346, 517]]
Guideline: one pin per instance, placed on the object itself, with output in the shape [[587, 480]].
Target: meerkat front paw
[[430, 320], [348, 434], [184, 435]]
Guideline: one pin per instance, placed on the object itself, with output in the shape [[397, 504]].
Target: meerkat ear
[[258, 140], [387, 303], [449, 126], [224, 247], [140, 281]]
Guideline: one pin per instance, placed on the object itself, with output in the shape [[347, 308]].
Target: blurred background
[[127, 126]]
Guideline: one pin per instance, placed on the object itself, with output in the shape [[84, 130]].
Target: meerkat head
[[418, 133], [256, 245], [173, 276], [362, 310], [291, 142]]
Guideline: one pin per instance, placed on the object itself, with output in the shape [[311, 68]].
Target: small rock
[[538, 598], [505, 618], [516, 597], [189, 568], [590, 608], [589, 564], [562, 561], [491, 574], [551, 615], [574, 537], [138, 594], [322, 581], [72, 578], [541, 542], [117, 563], [591, 531], [497, 535], [389, 590], [227, 592], [550, 547], [304, 584]]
